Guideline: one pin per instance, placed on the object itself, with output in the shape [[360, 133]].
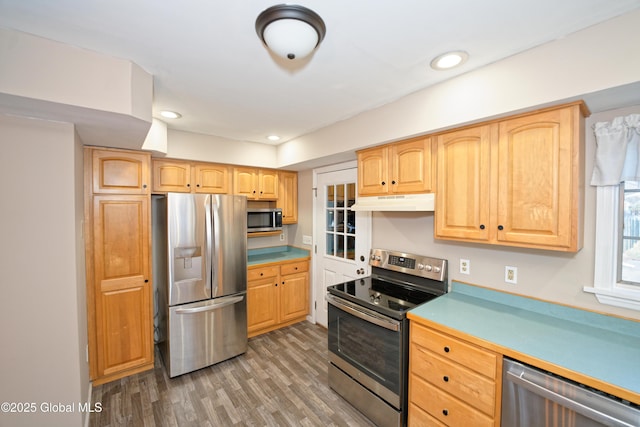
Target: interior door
[[342, 237]]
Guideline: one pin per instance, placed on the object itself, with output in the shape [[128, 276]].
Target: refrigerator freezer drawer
[[205, 333]]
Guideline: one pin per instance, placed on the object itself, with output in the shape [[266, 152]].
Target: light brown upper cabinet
[[256, 184], [171, 176], [517, 181], [119, 172], [211, 178], [188, 177], [400, 168], [288, 196], [118, 264]]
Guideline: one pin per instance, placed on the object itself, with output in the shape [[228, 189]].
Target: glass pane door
[[340, 233]]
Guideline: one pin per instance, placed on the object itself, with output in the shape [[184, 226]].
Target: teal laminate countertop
[[275, 254], [605, 349]]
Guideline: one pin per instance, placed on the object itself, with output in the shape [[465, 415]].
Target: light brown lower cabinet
[[277, 296], [452, 382]]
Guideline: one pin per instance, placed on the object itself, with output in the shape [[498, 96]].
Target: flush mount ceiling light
[[273, 138], [170, 114], [290, 31], [449, 60]]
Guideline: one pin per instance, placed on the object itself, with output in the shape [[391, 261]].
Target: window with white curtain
[[617, 177]]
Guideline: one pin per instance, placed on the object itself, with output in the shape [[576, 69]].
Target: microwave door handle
[[565, 401]]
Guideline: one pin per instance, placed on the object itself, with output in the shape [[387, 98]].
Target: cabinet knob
[[447, 349], [481, 226], [144, 185], [445, 412], [146, 280], [198, 185], [445, 379], [276, 284], [384, 183], [188, 185], [500, 227], [262, 274], [393, 182]]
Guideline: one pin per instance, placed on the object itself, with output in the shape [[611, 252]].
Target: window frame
[[606, 287]]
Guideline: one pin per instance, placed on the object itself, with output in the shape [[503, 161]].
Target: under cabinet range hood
[[405, 202]]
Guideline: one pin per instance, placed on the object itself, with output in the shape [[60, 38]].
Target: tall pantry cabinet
[[118, 263]]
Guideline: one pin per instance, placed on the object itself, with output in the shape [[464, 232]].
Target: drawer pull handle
[[445, 412], [445, 379], [447, 349]]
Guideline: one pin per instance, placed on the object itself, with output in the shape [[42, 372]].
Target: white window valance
[[617, 151]]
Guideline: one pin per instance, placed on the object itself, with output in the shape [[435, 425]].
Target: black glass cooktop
[[392, 299]]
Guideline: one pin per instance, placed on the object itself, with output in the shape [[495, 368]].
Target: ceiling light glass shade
[[449, 60], [290, 31]]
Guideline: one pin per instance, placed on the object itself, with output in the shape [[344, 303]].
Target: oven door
[[369, 347]]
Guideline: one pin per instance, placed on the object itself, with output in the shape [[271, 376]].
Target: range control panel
[[417, 265]]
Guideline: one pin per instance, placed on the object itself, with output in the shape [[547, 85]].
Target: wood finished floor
[[280, 381]]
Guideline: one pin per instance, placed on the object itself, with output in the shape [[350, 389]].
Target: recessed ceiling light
[[449, 60], [170, 114], [273, 138]]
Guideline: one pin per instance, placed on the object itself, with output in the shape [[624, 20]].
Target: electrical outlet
[[511, 274], [282, 237], [465, 266], [307, 240]]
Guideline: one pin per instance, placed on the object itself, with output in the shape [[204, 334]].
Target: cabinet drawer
[[468, 386], [294, 267], [419, 418], [261, 273], [444, 407], [468, 355]]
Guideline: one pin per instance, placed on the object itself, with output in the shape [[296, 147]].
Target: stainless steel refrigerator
[[200, 273]]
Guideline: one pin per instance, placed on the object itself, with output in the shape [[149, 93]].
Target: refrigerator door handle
[[208, 242], [224, 302]]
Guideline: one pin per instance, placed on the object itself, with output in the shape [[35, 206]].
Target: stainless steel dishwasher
[[535, 398]]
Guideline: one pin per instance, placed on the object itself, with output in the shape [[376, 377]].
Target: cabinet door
[[538, 179], [212, 179], [122, 290], [171, 176], [463, 184], [288, 197], [294, 296], [373, 167], [245, 182], [411, 170], [268, 184], [262, 307], [119, 172]]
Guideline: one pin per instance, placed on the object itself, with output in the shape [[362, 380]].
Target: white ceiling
[[209, 64]]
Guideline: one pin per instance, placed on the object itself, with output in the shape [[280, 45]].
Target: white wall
[[42, 300], [208, 148]]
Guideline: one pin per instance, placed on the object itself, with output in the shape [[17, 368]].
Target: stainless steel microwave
[[265, 219]]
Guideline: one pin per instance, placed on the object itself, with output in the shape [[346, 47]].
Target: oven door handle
[[364, 314]]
